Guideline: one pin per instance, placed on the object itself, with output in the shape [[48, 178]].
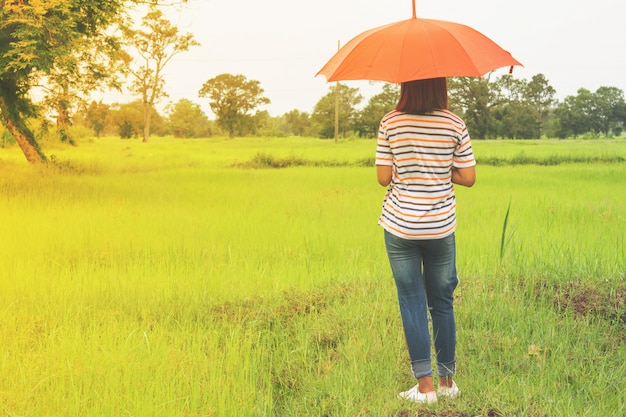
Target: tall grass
[[169, 280]]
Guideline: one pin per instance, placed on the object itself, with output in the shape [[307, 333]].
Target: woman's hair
[[423, 96]]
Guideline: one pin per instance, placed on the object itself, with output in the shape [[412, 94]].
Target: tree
[[34, 37], [128, 118], [620, 118], [514, 120], [608, 108], [540, 95], [232, 99], [574, 114], [187, 120], [40, 37], [296, 123], [377, 106], [323, 116], [473, 98], [156, 46], [92, 63], [96, 116], [512, 115]]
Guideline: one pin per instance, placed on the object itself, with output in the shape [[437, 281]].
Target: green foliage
[[187, 120], [516, 108], [505, 238], [267, 160], [62, 40], [157, 43], [525, 159], [473, 98], [296, 123], [540, 95], [128, 118], [232, 99], [96, 116], [602, 112], [6, 138], [344, 99], [80, 133], [377, 106]]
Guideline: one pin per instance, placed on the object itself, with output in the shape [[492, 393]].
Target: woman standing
[[422, 150]]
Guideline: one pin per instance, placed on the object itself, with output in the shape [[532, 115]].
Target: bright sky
[[284, 43]]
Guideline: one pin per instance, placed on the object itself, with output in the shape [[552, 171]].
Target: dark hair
[[423, 96]]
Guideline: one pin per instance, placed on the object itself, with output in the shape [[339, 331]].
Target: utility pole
[[337, 103]]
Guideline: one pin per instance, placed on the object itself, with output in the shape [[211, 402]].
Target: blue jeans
[[425, 276]]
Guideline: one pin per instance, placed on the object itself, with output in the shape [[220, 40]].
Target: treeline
[[504, 108]]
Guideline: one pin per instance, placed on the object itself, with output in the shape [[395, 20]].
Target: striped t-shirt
[[422, 149]]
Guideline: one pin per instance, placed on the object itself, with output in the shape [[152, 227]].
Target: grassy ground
[[171, 279]]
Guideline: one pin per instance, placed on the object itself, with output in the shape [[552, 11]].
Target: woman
[[423, 148]]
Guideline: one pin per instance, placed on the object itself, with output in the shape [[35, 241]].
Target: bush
[[6, 139]]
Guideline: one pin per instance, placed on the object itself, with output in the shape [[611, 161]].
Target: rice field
[[176, 278]]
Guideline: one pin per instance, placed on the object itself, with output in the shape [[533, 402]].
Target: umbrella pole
[[414, 15]]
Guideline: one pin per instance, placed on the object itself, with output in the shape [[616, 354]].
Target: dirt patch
[[446, 413], [283, 307], [605, 302]]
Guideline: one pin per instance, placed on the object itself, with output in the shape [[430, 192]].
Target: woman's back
[[420, 202]]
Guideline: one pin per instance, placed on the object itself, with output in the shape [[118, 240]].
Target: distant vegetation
[[65, 50]]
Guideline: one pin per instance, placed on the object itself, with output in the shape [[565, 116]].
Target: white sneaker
[[450, 392], [416, 396]]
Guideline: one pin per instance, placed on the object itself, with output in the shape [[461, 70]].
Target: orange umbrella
[[416, 49]]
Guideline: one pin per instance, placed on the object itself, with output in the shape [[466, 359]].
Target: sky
[[284, 43]]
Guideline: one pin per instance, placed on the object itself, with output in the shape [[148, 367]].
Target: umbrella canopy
[[416, 49]]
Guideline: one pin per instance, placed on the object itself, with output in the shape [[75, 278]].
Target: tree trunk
[[23, 136], [147, 115], [63, 123]]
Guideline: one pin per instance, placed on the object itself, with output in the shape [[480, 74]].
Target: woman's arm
[[384, 172], [464, 176], [461, 176]]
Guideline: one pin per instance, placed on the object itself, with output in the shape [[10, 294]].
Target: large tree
[[232, 100], [511, 114], [377, 106], [473, 98], [575, 114], [93, 63], [323, 115], [127, 118], [156, 44], [187, 120], [40, 38], [37, 38], [96, 116], [540, 95], [296, 123], [608, 109]]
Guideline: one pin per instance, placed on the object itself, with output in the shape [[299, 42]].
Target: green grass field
[[173, 279]]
